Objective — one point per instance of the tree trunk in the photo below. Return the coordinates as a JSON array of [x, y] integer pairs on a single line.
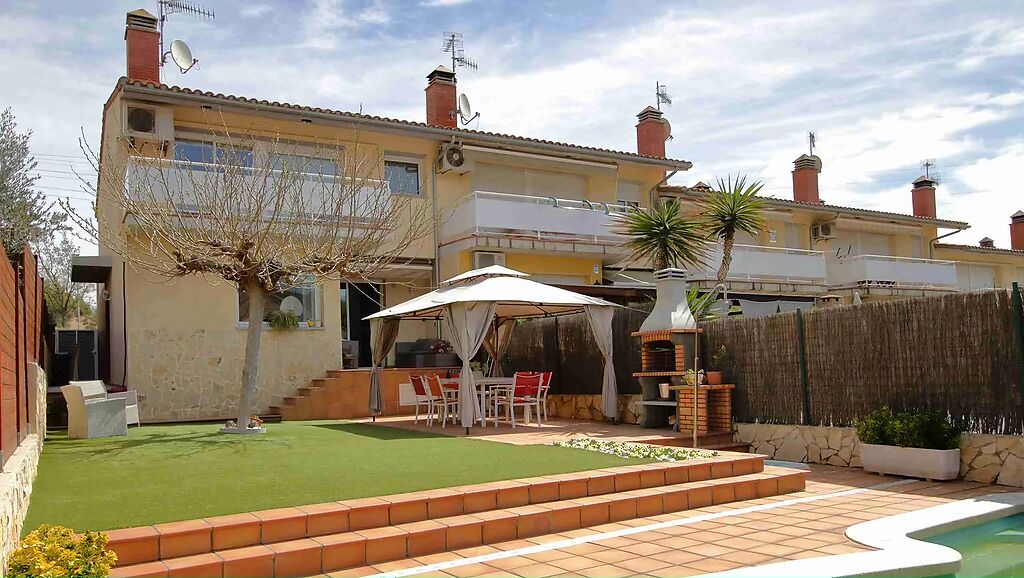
[[723, 270], [250, 371]]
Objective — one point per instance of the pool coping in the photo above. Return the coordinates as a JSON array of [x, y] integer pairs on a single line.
[[900, 550]]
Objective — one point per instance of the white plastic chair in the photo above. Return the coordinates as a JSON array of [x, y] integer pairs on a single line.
[[524, 392]]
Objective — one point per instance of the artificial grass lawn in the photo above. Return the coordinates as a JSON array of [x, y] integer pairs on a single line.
[[165, 473]]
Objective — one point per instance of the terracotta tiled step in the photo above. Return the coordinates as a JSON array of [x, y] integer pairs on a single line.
[[175, 539], [310, 556]]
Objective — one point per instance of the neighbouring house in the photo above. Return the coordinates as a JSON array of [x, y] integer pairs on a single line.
[[538, 206], [813, 253]]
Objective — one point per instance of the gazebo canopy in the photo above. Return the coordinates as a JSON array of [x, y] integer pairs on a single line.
[[474, 305], [515, 296]]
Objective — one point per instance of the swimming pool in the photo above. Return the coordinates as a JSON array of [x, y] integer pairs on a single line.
[[994, 548]]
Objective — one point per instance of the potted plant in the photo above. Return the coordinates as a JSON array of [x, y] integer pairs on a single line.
[[280, 320], [714, 376], [915, 444]]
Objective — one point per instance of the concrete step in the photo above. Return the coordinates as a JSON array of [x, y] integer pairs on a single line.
[[176, 539], [353, 548]]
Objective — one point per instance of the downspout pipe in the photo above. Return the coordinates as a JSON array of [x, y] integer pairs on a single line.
[[931, 244], [650, 193], [436, 271]]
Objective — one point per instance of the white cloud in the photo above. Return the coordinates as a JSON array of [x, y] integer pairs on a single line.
[[256, 10], [992, 40], [440, 3], [992, 192]]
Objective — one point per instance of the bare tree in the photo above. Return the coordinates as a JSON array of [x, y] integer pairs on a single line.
[[260, 213], [26, 215], [65, 300]]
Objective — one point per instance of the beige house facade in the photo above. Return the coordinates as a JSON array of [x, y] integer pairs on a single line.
[[542, 207]]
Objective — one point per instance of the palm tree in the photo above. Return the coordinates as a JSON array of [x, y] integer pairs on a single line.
[[733, 207], [665, 235]]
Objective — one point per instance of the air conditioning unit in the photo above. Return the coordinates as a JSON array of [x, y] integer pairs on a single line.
[[148, 125], [483, 259], [453, 158], [822, 231]]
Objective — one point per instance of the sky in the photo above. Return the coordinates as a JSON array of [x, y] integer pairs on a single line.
[[883, 84]]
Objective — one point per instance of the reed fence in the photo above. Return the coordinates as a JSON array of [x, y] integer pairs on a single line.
[[959, 353]]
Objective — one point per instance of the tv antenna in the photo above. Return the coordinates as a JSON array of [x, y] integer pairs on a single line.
[[452, 44], [661, 95], [179, 51], [812, 142], [929, 170]]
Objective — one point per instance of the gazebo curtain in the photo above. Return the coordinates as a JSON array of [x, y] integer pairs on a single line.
[[600, 318], [385, 333], [468, 323], [497, 342]]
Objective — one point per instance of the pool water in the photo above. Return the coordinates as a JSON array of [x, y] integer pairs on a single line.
[[994, 548]]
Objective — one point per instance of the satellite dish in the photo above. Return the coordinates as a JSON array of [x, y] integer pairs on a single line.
[[465, 110], [292, 304], [182, 56], [668, 130]]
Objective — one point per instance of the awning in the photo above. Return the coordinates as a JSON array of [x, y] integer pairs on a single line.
[[91, 269]]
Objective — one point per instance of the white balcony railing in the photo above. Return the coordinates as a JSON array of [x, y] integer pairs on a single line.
[[545, 218], [894, 272], [756, 264], [194, 188]]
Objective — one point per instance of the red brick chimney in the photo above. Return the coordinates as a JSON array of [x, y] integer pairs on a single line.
[[651, 133], [441, 105], [1017, 231], [805, 179], [924, 197], [142, 46]]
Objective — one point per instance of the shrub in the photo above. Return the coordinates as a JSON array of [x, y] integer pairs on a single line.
[[932, 430], [282, 320], [57, 551]]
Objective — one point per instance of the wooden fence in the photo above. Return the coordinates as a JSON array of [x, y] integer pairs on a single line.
[[22, 314], [958, 353]]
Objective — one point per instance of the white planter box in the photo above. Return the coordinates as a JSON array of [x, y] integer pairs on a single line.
[[911, 462]]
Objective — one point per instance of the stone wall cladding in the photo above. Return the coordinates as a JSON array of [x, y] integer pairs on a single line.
[[196, 374], [836, 446], [589, 407], [989, 459], [20, 471]]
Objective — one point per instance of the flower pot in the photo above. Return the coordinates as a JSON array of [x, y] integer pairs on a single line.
[[911, 462], [663, 391], [714, 377]]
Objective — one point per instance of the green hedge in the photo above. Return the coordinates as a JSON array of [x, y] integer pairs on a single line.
[[930, 429]]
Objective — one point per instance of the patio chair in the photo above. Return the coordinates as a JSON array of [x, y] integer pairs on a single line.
[[131, 397], [524, 393], [91, 414], [446, 401], [545, 385], [422, 397]]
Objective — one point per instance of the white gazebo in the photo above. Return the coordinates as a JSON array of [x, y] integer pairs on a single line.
[[479, 309]]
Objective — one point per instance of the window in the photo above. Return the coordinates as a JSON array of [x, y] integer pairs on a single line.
[[303, 298], [313, 166], [403, 177], [207, 153], [344, 310]]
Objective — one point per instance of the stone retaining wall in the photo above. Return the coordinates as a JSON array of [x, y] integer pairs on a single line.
[[20, 471], [589, 407], [990, 459]]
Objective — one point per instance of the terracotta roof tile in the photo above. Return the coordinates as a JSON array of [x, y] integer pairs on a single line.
[[397, 122], [979, 248]]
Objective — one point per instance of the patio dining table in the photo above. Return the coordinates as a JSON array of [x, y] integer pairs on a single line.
[[484, 385]]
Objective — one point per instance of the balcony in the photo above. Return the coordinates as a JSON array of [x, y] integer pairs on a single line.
[[893, 273], [192, 188], [543, 223], [759, 266]]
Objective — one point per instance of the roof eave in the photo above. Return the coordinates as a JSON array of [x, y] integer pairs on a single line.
[[168, 96], [783, 203]]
